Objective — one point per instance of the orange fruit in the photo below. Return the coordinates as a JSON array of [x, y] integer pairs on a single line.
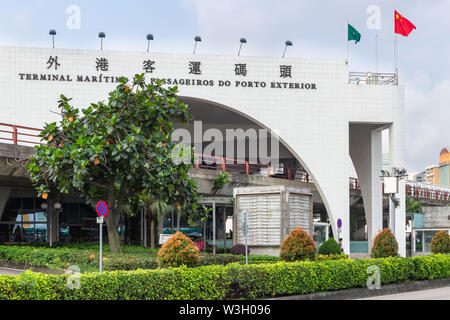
[[71, 119], [45, 195], [50, 137], [127, 88], [97, 161]]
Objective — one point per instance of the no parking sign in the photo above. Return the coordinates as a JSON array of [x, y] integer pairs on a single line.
[[102, 208]]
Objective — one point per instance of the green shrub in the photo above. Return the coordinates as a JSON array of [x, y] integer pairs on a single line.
[[434, 266], [441, 243], [384, 245], [178, 250], [221, 282], [330, 246], [323, 257], [216, 259], [298, 245]]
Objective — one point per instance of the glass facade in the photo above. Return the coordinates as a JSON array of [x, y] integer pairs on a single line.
[[423, 240], [23, 220]]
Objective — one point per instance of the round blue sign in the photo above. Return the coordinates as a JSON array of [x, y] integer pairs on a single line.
[[339, 223], [102, 208]]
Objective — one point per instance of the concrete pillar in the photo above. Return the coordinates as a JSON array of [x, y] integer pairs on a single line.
[[365, 151], [4, 196]]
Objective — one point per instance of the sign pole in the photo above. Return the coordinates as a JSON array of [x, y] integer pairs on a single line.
[[101, 245], [102, 211]]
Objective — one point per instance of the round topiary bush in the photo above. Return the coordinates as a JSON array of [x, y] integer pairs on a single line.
[[440, 243], [330, 246], [178, 250], [298, 245], [239, 249], [384, 245]]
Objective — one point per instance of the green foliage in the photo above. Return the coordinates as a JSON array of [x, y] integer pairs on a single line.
[[323, 257], [435, 266], [178, 250], [330, 246], [116, 149], [298, 245], [384, 245], [412, 206], [441, 242], [220, 181], [221, 282], [215, 259]]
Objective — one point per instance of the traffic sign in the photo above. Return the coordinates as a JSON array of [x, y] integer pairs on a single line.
[[99, 219], [339, 223], [102, 209]]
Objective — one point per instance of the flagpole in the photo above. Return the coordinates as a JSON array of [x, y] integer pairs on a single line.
[[376, 53], [346, 41], [396, 57], [395, 51]]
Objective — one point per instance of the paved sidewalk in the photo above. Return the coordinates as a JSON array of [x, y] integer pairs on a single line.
[[15, 272], [432, 294]]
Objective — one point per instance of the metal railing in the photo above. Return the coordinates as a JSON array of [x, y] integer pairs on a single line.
[[19, 134], [22, 135], [209, 162], [369, 78]]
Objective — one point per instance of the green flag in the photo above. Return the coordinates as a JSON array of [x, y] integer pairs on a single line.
[[353, 34]]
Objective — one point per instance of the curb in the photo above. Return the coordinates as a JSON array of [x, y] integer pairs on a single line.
[[359, 293]]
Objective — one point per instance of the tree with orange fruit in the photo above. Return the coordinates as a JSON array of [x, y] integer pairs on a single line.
[[114, 150]]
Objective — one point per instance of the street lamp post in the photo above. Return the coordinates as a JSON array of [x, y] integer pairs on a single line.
[[391, 180]]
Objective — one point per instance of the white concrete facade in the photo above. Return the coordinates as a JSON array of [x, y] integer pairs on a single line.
[[313, 124]]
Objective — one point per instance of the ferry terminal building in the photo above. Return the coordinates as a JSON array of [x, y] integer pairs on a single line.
[[320, 115]]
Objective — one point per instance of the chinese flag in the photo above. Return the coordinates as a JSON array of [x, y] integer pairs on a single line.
[[402, 25]]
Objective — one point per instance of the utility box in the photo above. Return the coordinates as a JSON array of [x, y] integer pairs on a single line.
[[273, 212]]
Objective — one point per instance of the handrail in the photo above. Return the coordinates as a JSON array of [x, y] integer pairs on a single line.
[[372, 78], [413, 189], [17, 134]]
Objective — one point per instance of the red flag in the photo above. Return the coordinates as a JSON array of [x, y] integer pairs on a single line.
[[402, 25]]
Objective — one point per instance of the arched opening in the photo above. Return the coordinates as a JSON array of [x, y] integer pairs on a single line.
[[213, 123]]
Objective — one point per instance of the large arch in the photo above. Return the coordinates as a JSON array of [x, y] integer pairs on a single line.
[[196, 104]]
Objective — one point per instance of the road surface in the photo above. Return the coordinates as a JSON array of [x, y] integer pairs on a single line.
[[431, 294], [15, 272]]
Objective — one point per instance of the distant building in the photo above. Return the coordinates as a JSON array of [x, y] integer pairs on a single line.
[[420, 177], [444, 167], [432, 174]]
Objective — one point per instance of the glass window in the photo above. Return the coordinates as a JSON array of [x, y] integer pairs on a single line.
[[419, 241], [428, 236]]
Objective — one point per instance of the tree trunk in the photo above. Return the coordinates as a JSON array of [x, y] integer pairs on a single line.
[[112, 222], [152, 232], [113, 236]]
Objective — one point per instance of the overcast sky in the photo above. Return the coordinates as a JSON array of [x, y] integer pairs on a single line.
[[316, 29]]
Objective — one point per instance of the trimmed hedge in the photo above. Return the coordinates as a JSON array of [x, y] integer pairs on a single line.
[[330, 246], [220, 282]]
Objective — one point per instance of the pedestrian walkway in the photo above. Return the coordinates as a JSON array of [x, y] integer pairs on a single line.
[[432, 294], [15, 272]]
